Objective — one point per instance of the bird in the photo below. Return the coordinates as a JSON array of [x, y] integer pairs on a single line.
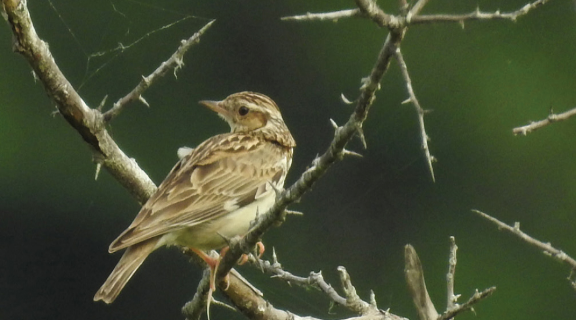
[[214, 192]]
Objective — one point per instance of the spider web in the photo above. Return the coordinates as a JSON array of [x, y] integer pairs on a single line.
[[98, 60]]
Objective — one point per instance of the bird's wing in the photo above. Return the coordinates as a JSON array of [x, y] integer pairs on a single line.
[[222, 174]]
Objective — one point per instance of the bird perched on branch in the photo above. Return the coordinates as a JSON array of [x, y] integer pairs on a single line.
[[214, 192]]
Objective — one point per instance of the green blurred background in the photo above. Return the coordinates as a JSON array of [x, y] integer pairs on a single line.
[[481, 81]]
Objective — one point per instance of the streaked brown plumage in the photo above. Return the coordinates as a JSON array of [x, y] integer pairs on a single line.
[[215, 190]]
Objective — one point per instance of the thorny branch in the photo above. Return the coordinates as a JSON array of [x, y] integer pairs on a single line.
[[421, 112], [451, 298], [351, 301], [333, 16], [370, 10], [414, 274], [476, 297], [477, 15], [175, 62], [546, 248], [552, 117]]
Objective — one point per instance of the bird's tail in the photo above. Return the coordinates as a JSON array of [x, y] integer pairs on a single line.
[[128, 264]]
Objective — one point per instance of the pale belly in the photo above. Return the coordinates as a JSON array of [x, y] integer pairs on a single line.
[[210, 235]]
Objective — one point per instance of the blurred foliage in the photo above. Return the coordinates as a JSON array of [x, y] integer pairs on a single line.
[[480, 81]]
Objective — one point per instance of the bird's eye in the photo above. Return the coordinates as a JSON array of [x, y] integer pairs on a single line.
[[243, 110]]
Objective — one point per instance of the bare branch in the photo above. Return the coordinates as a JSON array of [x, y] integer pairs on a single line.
[[353, 301], [414, 275], [315, 280], [476, 15], [542, 123], [412, 98], [477, 297], [174, 62], [547, 248], [370, 9], [87, 122], [334, 16], [450, 276]]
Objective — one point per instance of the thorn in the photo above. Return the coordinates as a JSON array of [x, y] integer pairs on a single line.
[[406, 101], [146, 80], [102, 103], [296, 213], [315, 162], [347, 152], [276, 190], [461, 22], [364, 83], [141, 99], [334, 124], [55, 113], [226, 239], [362, 137], [98, 167], [373, 299], [274, 257], [346, 101], [517, 226]]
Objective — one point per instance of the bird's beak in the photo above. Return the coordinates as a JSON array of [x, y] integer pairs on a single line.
[[215, 106]]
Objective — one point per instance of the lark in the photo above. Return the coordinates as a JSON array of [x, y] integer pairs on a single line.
[[214, 192]]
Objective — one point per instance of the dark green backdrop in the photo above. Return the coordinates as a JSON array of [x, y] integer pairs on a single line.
[[481, 81]]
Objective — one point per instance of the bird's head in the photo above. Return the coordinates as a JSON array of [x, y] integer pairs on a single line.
[[253, 112]]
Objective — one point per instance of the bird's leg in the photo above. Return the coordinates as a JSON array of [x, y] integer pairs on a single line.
[[212, 264]]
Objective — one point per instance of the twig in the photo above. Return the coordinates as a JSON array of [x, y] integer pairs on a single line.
[[334, 16], [414, 275], [353, 301], [175, 62], [450, 276], [542, 123], [314, 280], [477, 297], [475, 15], [370, 9], [421, 112], [547, 248]]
